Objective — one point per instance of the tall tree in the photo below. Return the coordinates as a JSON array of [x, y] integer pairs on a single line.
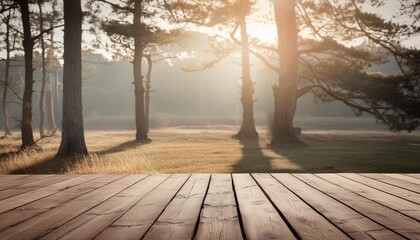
[[7, 39], [28, 45], [141, 128], [328, 66], [232, 13], [72, 138], [135, 40], [43, 69], [285, 91], [54, 18], [248, 123]]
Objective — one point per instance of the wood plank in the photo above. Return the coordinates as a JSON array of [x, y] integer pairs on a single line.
[[133, 225], [403, 206], [20, 181], [92, 222], [387, 217], [11, 177], [394, 181], [259, 218], [27, 197], [34, 182], [219, 217], [353, 223], [414, 175], [44, 223], [180, 216], [27, 211], [405, 178], [305, 221], [396, 191]]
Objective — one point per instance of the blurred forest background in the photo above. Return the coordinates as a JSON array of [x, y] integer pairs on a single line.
[[182, 98]]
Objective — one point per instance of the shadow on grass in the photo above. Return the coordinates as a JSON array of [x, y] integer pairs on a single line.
[[120, 148], [254, 160], [343, 155]]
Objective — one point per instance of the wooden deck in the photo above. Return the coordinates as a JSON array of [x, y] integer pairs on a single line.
[[210, 206]]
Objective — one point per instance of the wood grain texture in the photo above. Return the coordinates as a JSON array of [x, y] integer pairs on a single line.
[[204, 206], [219, 217], [8, 178], [403, 206], [39, 182], [414, 175], [307, 223], [396, 191], [402, 177], [181, 215], [37, 207], [353, 223], [392, 219], [49, 221], [260, 219], [394, 181], [27, 197], [136, 221], [92, 222]]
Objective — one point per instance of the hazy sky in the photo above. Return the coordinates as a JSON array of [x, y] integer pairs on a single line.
[[267, 32]]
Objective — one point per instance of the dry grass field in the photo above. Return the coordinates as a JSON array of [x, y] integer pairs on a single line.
[[178, 150]]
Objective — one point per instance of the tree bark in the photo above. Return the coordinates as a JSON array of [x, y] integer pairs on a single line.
[[49, 97], [50, 106], [285, 92], [6, 79], [148, 89], [43, 71], [247, 129], [72, 137], [141, 130], [26, 124]]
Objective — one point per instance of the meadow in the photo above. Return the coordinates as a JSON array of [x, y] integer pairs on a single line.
[[191, 150]]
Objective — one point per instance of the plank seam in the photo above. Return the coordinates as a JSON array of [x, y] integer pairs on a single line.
[[56, 227], [132, 205], [368, 198], [379, 189], [312, 206], [295, 233], [241, 224], [45, 195], [391, 184], [197, 223], [163, 210], [34, 188], [350, 207]]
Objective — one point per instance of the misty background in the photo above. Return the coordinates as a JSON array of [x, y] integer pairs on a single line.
[[191, 99]]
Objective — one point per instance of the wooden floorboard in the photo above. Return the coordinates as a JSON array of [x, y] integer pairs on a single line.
[[403, 206], [396, 191], [394, 181], [353, 223], [219, 214], [210, 206], [387, 217]]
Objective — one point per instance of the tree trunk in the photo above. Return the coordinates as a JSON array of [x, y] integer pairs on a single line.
[[285, 93], [148, 89], [6, 79], [248, 124], [43, 71], [141, 130], [72, 137], [26, 124], [50, 107], [56, 99]]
